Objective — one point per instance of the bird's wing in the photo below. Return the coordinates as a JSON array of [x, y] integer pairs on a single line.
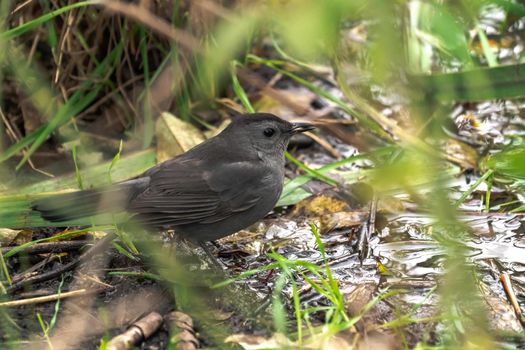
[[183, 193]]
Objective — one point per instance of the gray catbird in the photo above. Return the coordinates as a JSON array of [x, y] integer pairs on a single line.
[[215, 189]]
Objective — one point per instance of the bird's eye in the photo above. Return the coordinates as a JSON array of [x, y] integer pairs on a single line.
[[268, 132]]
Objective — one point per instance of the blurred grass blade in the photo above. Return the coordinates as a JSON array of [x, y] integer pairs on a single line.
[[15, 207], [292, 191], [5, 270], [487, 50], [442, 30], [78, 176], [507, 164], [58, 237], [312, 172], [77, 103], [96, 176], [114, 162], [419, 53], [509, 6], [479, 84], [472, 188], [367, 122], [278, 310]]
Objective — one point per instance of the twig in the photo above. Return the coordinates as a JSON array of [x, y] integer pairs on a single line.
[[50, 247], [507, 285], [363, 246], [36, 293], [96, 249], [48, 298], [21, 6], [32, 270], [323, 143]]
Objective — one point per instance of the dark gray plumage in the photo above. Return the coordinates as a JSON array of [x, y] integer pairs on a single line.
[[215, 189]]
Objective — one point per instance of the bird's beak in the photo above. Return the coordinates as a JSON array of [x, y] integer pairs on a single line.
[[301, 127]]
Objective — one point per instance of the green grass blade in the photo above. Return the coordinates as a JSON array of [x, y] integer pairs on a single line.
[[95, 176], [502, 82], [21, 29], [76, 104], [367, 122], [238, 89], [310, 171], [114, 162], [487, 50], [78, 176], [291, 187], [471, 189], [4, 269]]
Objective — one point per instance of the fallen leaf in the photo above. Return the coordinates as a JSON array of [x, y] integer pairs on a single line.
[[175, 136], [319, 205], [8, 236], [342, 220]]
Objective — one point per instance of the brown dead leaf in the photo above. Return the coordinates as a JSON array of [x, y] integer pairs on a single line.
[[342, 220], [299, 96], [217, 130], [242, 236], [175, 136], [9, 236], [319, 205]]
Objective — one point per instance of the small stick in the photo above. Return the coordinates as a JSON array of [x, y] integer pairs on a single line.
[[32, 270], [94, 250], [323, 143], [369, 226], [47, 298], [36, 293], [50, 247], [507, 285]]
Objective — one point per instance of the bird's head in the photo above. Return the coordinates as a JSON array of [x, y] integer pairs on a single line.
[[266, 133]]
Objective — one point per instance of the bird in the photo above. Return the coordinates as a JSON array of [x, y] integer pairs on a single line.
[[215, 189]]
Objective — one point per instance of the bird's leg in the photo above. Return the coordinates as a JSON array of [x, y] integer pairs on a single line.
[[210, 255]]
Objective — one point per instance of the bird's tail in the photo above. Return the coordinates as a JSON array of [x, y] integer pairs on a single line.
[[69, 206], [81, 204]]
